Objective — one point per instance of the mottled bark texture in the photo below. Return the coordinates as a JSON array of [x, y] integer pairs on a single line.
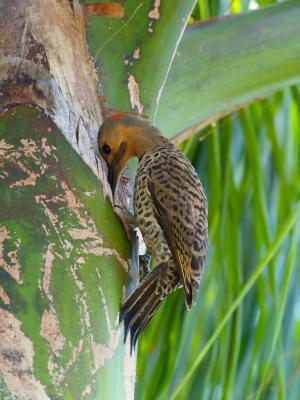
[[45, 62], [63, 253]]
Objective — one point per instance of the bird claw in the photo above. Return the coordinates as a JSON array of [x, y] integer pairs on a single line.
[[144, 264]]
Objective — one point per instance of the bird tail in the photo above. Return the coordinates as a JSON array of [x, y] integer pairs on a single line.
[[142, 304]]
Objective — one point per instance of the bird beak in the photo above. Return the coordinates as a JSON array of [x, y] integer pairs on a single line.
[[112, 177]]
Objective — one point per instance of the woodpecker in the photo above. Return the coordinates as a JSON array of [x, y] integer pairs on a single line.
[[170, 209]]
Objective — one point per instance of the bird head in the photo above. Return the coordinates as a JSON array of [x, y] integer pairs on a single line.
[[122, 137], [114, 147]]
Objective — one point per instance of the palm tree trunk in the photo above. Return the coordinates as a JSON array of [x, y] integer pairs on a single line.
[[63, 253]]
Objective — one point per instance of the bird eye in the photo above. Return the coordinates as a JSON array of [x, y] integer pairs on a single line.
[[106, 149]]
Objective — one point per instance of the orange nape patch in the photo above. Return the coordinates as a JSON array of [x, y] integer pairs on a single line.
[[117, 116]]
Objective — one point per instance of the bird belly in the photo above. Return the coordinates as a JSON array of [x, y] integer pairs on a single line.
[[146, 221]]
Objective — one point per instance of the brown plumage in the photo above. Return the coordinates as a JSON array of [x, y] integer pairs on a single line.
[[170, 210]]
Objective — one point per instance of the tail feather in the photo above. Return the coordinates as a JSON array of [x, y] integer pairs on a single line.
[[134, 309], [133, 302], [142, 304], [141, 323]]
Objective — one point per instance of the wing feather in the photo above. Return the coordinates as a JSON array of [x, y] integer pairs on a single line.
[[181, 209]]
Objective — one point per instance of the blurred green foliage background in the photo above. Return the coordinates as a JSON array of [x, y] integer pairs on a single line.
[[242, 339]]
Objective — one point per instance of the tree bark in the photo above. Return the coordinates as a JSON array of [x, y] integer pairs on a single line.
[[63, 253], [45, 62]]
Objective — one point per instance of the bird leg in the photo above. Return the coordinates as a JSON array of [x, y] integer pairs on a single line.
[[129, 221], [144, 264]]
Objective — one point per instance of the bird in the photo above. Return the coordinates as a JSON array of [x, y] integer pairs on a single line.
[[170, 209]]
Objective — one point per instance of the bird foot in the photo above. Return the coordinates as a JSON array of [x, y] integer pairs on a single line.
[[144, 264]]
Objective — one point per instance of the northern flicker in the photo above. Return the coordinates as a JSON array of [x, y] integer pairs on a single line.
[[170, 210]]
